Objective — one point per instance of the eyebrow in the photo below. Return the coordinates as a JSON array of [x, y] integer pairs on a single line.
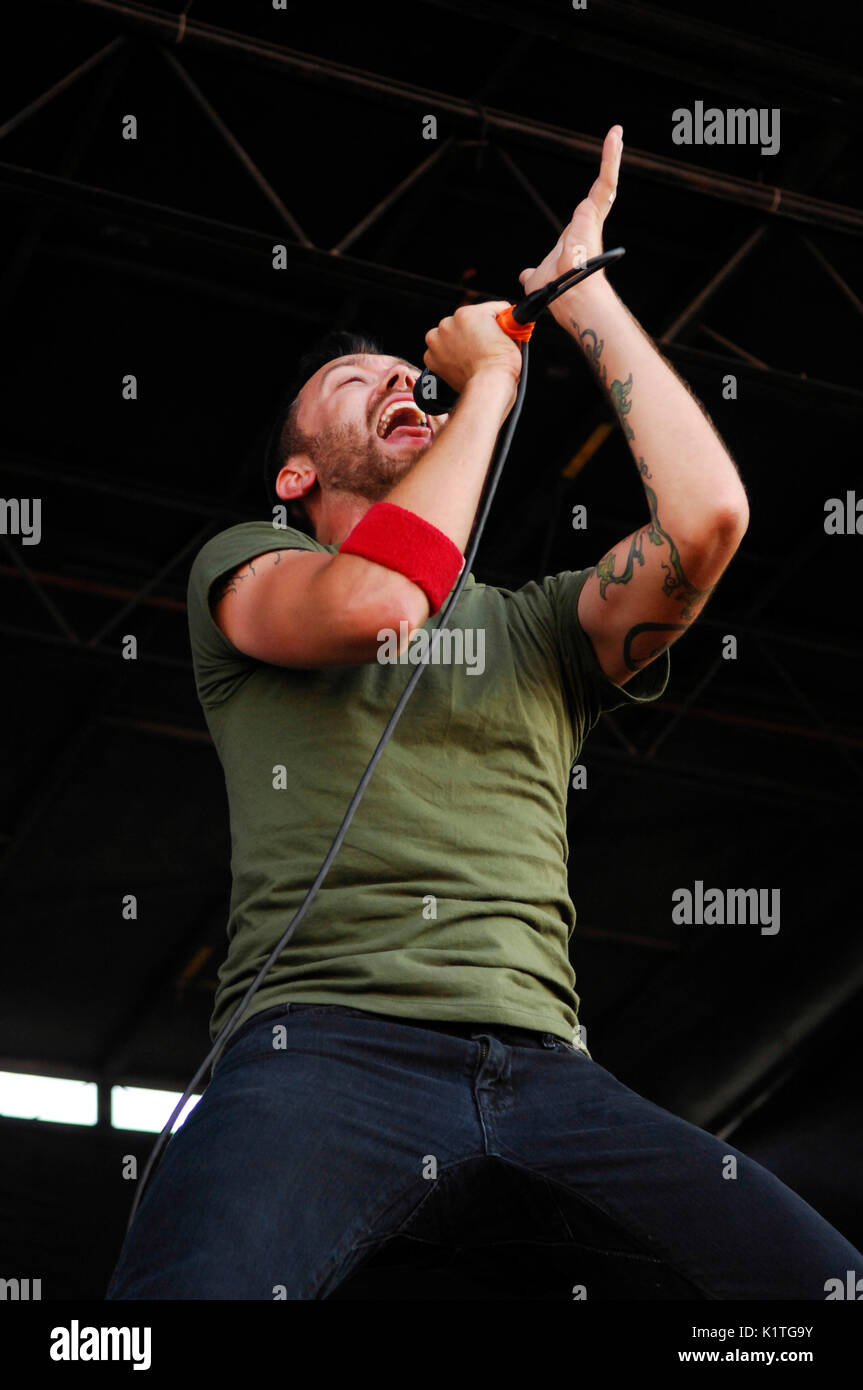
[[355, 362]]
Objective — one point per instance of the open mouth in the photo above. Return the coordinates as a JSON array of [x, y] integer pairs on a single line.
[[402, 417]]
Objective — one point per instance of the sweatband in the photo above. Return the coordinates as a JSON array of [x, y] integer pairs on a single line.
[[405, 542]]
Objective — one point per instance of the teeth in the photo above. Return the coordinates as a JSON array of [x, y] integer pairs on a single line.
[[401, 405]]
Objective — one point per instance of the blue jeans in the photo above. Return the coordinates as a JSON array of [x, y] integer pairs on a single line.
[[302, 1161]]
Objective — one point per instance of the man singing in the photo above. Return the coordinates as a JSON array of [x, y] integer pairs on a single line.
[[416, 1045]]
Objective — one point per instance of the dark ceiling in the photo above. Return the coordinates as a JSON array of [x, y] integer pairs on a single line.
[[154, 257]]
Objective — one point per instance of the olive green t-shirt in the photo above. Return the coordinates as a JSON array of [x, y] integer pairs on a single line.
[[448, 899]]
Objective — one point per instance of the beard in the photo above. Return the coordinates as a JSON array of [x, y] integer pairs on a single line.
[[347, 459]]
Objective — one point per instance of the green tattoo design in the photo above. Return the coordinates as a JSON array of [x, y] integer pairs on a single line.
[[675, 584], [618, 390]]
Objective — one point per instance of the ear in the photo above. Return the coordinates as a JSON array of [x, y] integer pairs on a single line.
[[296, 478]]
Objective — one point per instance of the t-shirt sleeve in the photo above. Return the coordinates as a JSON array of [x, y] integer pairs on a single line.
[[219, 666], [553, 605]]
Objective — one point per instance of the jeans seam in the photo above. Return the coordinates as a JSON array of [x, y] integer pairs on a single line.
[[608, 1216], [350, 1243]]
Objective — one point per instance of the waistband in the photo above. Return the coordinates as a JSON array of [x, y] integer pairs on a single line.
[[504, 1032]]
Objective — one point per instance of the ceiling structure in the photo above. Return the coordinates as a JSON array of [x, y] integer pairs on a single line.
[[153, 257]]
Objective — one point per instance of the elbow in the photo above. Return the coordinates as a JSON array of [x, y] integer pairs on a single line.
[[722, 529], [372, 599], [405, 610], [730, 522], [400, 610], [708, 545]]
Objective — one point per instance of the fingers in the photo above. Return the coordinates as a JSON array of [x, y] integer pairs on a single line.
[[604, 190], [486, 308]]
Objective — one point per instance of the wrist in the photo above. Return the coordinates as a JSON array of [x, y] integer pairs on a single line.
[[496, 383], [585, 301]]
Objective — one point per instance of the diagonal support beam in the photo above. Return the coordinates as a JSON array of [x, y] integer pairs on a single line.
[[19, 262], [733, 347], [380, 208], [236, 148], [47, 602], [555, 222], [799, 558], [837, 279], [821, 725], [714, 284], [194, 543], [63, 85]]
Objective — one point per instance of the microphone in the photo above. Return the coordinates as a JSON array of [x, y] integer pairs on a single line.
[[432, 394]]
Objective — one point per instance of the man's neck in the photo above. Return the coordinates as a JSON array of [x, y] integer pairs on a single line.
[[338, 517]]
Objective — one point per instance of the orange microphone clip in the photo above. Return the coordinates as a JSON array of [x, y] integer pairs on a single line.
[[520, 332]]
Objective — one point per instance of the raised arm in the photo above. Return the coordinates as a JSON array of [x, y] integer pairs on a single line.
[[644, 593]]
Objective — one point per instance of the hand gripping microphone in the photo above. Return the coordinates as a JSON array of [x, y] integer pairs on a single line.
[[432, 394]]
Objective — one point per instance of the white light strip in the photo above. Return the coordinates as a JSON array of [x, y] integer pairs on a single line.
[[135, 1107], [27, 1097]]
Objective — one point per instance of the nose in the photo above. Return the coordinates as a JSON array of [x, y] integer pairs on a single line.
[[401, 377]]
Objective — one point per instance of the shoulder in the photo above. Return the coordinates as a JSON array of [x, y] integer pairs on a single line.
[[238, 544]]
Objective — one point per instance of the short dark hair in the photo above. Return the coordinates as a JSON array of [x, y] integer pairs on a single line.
[[285, 435]]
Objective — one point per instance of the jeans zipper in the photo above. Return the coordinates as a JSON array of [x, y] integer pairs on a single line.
[[483, 1053]]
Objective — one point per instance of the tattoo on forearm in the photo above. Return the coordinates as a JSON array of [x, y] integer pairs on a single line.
[[675, 584], [618, 390]]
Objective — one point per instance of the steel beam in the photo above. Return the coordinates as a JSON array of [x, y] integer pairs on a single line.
[[738, 351], [391, 198], [639, 36], [714, 284], [35, 185], [47, 602], [111, 487], [48, 579], [780, 577], [65, 82], [782, 203], [235, 147], [193, 544], [853, 299]]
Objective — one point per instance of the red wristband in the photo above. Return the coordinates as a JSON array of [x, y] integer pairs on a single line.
[[405, 542]]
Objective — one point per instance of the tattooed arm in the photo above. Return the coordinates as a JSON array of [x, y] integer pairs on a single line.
[[647, 590]]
